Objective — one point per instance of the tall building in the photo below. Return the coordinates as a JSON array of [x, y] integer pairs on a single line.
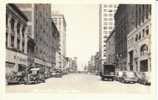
[[27, 9], [59, 20], [139, 40], [42, 31], [16, 41], [55, 44], [124, 23], [110, 48], [97, 62], [133, 27], [106, 25]]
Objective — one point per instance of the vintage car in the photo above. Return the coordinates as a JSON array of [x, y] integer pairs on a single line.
[[15, 78], [144, 78], [129, 77], [35, 76]]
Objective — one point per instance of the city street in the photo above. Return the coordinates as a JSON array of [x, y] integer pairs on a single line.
[[79, 83]]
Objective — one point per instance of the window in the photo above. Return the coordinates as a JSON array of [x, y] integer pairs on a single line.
[[6, 39], [12, 41], [18, 44], [105, 27], [105, 14], [12, 25], [143, 33], [105, 5], [105, 19], [23, 46], [143, 50], [136, 38], [139, 36], [147, 30], [110, 27]]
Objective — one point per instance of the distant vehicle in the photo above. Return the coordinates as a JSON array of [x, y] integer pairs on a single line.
[[57, 73], [129, 77], [144, 78], [108, 72], [118, 75]]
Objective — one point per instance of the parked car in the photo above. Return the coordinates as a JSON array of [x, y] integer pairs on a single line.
[[129, 77], [144, 78], [15, 78], [118, 75], [35, 76]]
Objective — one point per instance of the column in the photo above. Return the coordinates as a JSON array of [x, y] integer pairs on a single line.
[[15, 36], [9, 31], [25, 40], [21, 28]]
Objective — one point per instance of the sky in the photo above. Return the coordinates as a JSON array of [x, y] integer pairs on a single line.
[[82, 30]]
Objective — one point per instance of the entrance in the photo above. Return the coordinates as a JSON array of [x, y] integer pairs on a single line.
[[144, 65]]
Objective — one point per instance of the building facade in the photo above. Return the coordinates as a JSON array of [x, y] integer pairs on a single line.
[[110, 48], [28, 10], [97, 63], [60, 23], [55, 44], [43, 34], [139, 41], [91, 65], [16, 40], [124, 23], [106, 25]]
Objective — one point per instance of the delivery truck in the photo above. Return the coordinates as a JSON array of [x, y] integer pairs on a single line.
[[108, 72]]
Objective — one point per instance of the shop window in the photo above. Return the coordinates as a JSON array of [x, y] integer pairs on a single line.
[[144, 66]]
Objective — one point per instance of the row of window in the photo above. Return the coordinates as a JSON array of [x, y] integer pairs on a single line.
[[12, 37], [108, 19], [108, 14], [109, 23], [110, 6], [109, 27], [145, 32]]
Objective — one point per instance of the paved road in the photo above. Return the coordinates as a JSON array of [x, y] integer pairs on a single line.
[[79, 83]]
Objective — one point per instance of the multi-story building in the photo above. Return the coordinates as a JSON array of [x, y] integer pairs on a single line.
[[139, 40], [43, 32], [124, 23], [110, 48], [59, 20], [27, 9], [91, 65], [106, 25], [97, 62], [54, 44], [16, 40]]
